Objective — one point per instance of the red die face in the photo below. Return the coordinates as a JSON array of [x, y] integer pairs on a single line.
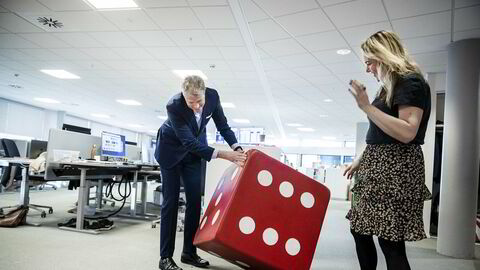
[[264, 216]]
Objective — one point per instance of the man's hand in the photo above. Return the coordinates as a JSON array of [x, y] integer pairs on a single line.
[[237, 157]]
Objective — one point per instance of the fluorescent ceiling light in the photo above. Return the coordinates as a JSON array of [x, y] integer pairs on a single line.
[[306, 129], [100, 115], [328, 100], [108, 4], [294, 125], [135, 125], [241, 120], [322, 115], [228, 105], [343, 51], [163, 117], [329, 138], [129, 102], [182, 73], [47, 100], [60, 73], [293, 134]]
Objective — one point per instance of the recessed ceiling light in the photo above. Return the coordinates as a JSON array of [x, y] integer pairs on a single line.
[[294, 125], [135, 125], [163, 117], [343, 51], [47, 100], [328, 100], [100, 115], [241, 120], [60, 73], [228, 105], [182, 73], [129, 102], [15, 86], [107, 4], [329, 138], [306, 129], [322, 115]]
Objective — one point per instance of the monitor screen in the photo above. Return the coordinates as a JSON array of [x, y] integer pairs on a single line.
[[36, 148], [113, 145]]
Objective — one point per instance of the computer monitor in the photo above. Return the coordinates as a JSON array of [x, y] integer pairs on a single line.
[[36, 148], [113, 145], [77, 129]]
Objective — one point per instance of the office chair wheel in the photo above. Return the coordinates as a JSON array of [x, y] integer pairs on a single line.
[[50, 210], [43, 214], [154, 226]]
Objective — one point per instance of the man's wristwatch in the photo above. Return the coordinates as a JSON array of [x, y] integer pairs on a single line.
[[238, 147]]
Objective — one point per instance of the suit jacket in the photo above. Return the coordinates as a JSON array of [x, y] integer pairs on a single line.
[[180, 134]]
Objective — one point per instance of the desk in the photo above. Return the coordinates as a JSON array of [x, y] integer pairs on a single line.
[[24, 163], [145, 170], [101, 170]]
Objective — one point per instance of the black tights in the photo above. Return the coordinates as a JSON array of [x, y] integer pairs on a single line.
[[393, 251]]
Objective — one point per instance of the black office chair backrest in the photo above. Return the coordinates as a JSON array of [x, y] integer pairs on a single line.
[[10, 148]]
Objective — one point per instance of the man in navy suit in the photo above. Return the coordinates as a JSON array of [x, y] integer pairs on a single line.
[[181, 146]]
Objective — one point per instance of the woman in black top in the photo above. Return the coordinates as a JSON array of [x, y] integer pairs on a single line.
[[390, 174]]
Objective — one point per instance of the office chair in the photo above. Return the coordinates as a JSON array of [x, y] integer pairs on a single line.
[[14, 172]]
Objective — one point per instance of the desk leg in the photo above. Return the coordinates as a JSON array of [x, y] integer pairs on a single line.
[[143, 196], [24, 189], [81, 199], [133, 196], [99, 194]]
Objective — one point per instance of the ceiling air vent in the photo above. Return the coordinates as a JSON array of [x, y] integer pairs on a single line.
[[50, 22]]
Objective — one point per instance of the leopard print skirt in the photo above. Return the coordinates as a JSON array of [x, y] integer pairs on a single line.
[[389, 193]]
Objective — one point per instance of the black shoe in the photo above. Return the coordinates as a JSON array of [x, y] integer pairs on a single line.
[[194, 259], [168, 264]]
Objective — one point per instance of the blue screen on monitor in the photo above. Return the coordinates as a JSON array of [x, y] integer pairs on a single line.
[[113, 145]]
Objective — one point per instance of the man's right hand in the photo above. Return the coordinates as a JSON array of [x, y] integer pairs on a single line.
[[236, 157]]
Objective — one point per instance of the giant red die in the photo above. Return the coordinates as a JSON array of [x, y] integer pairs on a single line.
[[265, 215]]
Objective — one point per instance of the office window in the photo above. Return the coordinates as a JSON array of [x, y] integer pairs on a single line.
[[348, 159], [330, 160]]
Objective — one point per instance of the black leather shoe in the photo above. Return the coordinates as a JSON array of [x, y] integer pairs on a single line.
[[168, 264], [195, 260]]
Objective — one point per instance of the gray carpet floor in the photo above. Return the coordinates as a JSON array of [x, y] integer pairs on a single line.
[[134, 244]]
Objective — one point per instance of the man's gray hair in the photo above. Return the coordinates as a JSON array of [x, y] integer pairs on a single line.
[[194, 86]]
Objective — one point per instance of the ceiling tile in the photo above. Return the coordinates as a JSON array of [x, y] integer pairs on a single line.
[[215, 17], [120, 65], [235, 53], [179, 64], [282, 47], [252, 11], [15, 24], [194, 3], [324, 3], [424, 25], [431, 59], [57, 5], [24, 6], [41, 54], [241, 65], [203, 53], [71, 54], [282, 7], [267, 30], [226, 37], [271, 64], [314, 71], [307, 22], [331, 56], [321, 80], [133, 53], [350, 67], [168, 18], [113, 39], [466, 34], [101, 53], [161, 3], [190, 37], [206, 64], [14, 54], [150, 38], [357, 35], [15, 42], [79, 40], [467, 18], [298, 60], [465, 3], [401, 9], [45, 40], [323, 41], [356, 13], [427, 44], [166, 53], [130, 19]]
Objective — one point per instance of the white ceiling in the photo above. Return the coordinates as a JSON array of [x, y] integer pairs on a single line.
[[293, 68]]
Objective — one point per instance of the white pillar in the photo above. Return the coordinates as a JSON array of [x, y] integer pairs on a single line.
[[361, 135], [460, 160]]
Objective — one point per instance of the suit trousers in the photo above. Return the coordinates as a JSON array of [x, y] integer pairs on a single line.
[[189, 169]]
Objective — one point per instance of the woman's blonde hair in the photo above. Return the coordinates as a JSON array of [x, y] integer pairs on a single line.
[[392, 59], [194, 86]]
